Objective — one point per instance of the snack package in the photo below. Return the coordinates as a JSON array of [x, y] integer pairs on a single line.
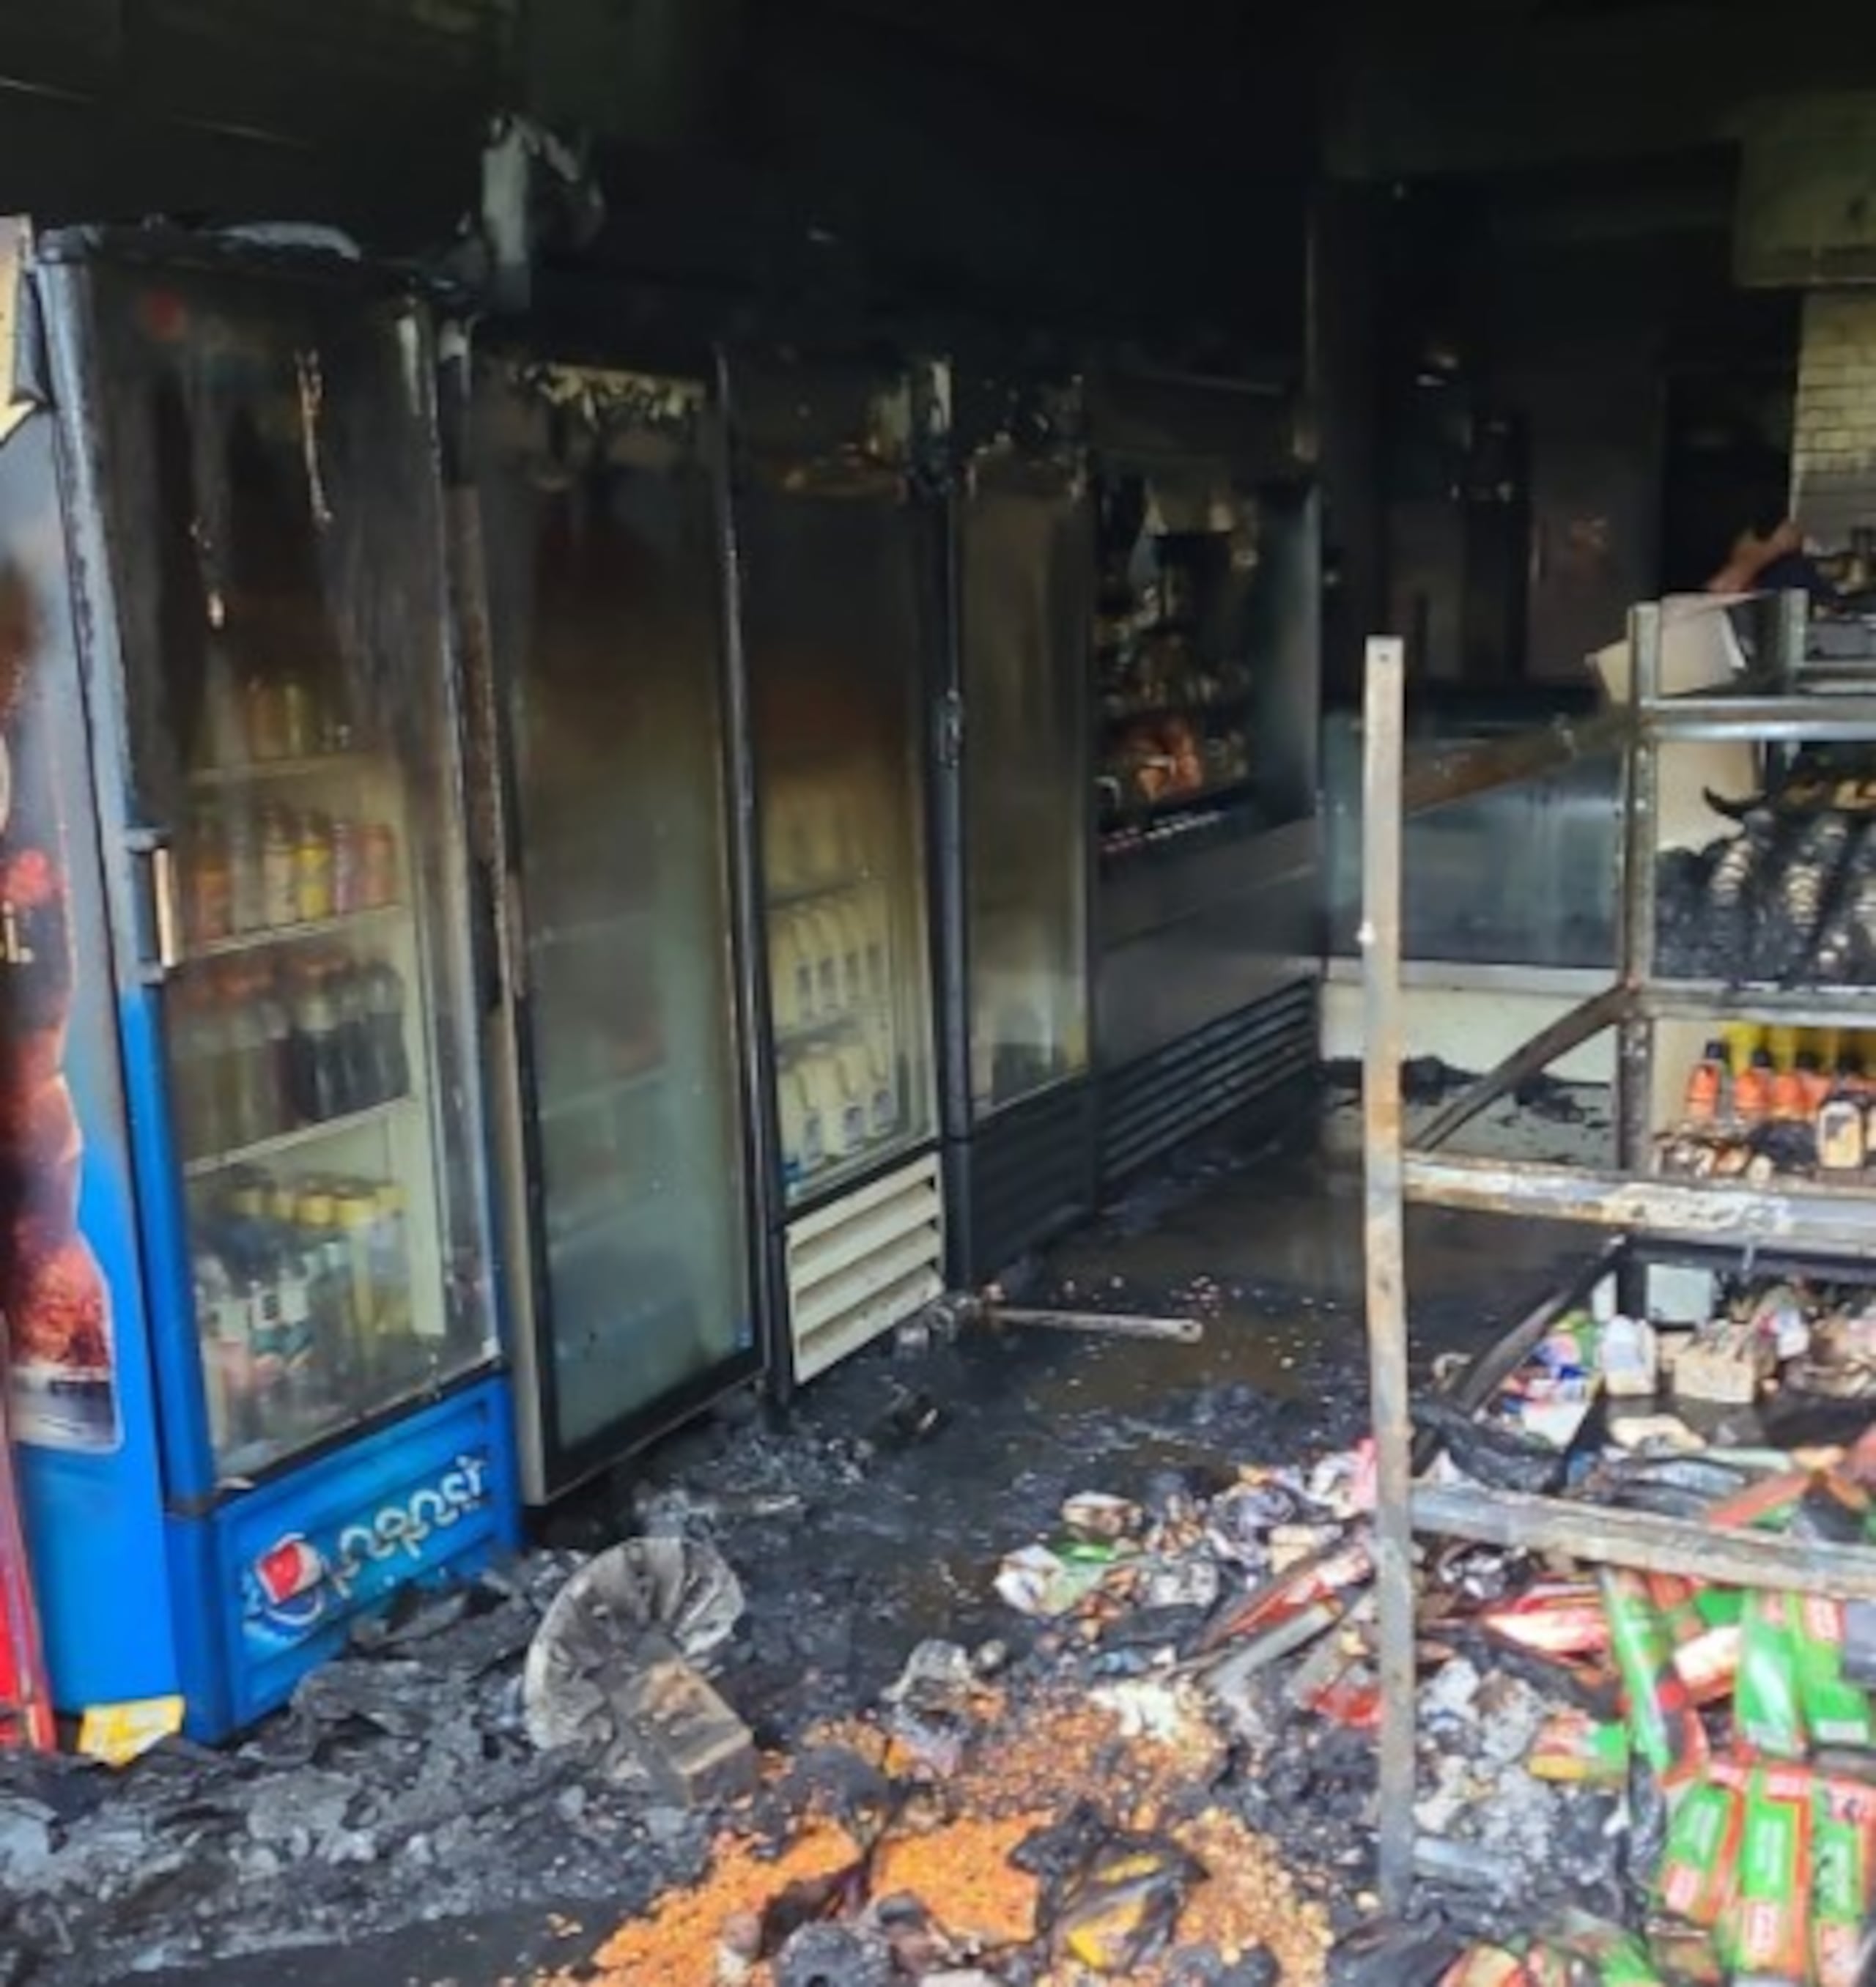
[[1766, 1701], [1843, 1866], [1619, 1958], [1557, 1617], [1487, 1966], [1666, 1730], [1707, 1654], [1764, 1931], [1685, 1956], [1700, 1863], [1836, 1712], [1574, 1746]]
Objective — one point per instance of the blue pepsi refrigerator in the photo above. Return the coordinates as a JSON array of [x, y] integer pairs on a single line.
[[249, 1291]]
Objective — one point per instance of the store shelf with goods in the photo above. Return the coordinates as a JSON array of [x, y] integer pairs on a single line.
[[342, 925], [797, 894], [1202, 710], [310, 766], [825, 1028], [1825, 1220], [298, 1137]]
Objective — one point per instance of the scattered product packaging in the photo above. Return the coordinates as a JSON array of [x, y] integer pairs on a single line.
[[1766, 1703], [1487, 1966], [1574, 1746], [1629, 1358], [1843, 1864], [1726, 1363], [1666, 1729], [1700, 1864], [1764, 1932], [1836, 1713], [1556, 1618], [1619, 1958]]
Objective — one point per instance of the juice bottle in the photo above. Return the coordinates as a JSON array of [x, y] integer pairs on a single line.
[[1782, 1040], [1706, 1097], [1752, 1089], [279, 893], [1787, 1101], [1815, 1084], [312, 868], [856, 1083], [211, 881], [821, 1073]]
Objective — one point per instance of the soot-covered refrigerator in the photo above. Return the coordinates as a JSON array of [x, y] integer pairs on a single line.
[[837, 552], [249, 1297], [618, 1051], [1019, 1102]]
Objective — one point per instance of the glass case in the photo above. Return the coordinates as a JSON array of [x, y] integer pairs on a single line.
[[269, 461], [1174, 684], [1025, 550], [837, 606], [599, 522]]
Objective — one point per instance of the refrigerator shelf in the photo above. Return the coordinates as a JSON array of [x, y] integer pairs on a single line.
[[810, 893], [830, 1026], [258, 770], [594, 1097], [293, 934], [301, 1135], [576, 1227], [586, 931]]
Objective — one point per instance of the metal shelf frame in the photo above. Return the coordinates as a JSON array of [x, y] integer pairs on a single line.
[[1653, 1218]]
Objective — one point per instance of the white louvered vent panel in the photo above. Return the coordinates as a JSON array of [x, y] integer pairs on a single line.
[[856, 1268]]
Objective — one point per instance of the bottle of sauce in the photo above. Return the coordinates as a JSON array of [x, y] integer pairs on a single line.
[[298, 737], [356, 1214], [279, 890], [1706, 1099], [265, 713]]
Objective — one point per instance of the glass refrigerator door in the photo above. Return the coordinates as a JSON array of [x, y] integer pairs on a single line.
[[1026, 559], [265, 453], [835, 614], [600, 543]]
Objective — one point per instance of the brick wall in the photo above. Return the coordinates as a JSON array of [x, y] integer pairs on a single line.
[[1834, 437]]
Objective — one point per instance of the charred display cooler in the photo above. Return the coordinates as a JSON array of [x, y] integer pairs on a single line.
[[836, 557], [1205, 689], [1020, 1103], [247, 1283], [617, 1051]]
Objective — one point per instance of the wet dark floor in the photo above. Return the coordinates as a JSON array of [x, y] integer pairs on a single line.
[[874, 1513]]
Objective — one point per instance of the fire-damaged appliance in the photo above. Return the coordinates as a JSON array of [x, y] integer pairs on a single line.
[[1205, 669], [618, 1050], [835, 551], [1020, 1097], [248, 1275]]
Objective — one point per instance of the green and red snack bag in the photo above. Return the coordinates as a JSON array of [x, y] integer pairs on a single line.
[[1766, 1706], [1666, 1729], [1700, 1863], [1844, 1867], [1764, 1932], [1836, 1713], [1487, 1966]]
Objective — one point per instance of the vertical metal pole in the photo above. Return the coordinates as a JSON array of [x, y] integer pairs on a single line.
[[1641, 834], [1384, 1246]]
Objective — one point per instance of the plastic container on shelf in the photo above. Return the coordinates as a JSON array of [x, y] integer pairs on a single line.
[[804, 1146], [843, 1118], [824, 948]]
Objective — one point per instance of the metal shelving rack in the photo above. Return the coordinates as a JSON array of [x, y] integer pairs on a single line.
[[1653, 1220]]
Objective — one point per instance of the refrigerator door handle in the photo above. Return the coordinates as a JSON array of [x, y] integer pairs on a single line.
[[151, 848]]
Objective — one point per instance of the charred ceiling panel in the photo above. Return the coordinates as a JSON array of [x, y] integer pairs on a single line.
[[282, 65], [1807, 194], [652, 72]]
